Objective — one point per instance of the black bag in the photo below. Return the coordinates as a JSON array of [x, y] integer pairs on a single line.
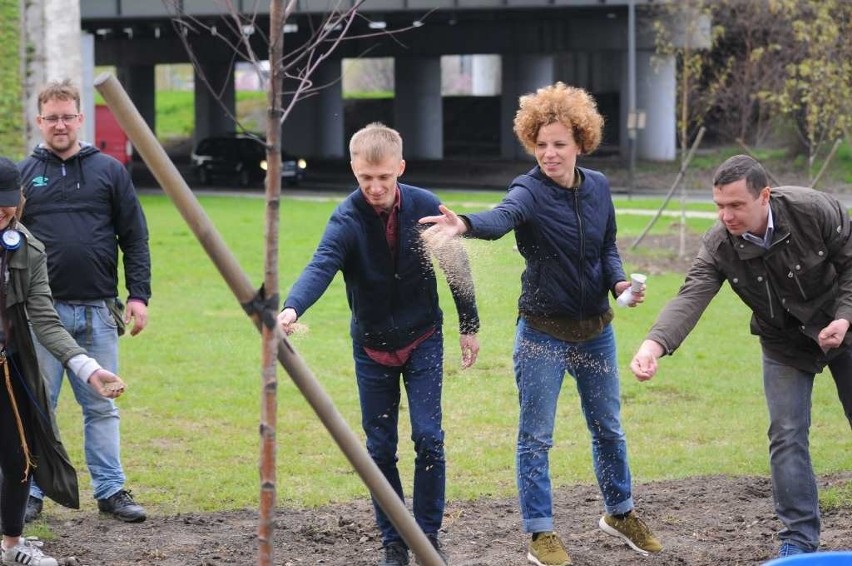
[[116, 309]]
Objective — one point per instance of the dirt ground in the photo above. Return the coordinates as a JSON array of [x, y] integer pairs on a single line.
[[702, 521]]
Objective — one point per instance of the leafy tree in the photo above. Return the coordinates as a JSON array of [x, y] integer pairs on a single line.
[[770, 62], [748, 59], [818, 75]]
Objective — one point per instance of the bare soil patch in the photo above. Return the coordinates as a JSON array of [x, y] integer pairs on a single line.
[[702, 521]]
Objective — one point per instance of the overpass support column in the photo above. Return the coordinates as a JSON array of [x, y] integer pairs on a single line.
[[418, 106], [139, 82], [314, 127], [212, 108], [330, 119], [302, 128], [522, 74], [656, 94]]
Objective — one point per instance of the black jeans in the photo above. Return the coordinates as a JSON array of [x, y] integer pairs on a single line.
[[14, 486]]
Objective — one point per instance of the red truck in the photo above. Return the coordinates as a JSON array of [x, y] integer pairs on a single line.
[[109, 137]]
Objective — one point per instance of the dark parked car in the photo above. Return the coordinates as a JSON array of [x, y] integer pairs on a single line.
[[241, 158]]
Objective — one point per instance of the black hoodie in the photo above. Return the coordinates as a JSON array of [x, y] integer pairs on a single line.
[[83, 209]]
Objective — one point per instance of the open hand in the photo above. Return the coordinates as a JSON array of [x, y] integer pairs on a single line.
[[107, 383], [469, 349]]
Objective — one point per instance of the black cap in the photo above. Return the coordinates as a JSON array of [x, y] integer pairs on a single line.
[[10, 183]]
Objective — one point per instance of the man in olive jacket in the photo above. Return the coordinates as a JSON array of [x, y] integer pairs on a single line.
[[787, 253]]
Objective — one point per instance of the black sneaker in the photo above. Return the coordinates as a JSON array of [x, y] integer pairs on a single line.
[[121, 506], [437, 545], [396, 554], [34, 506]]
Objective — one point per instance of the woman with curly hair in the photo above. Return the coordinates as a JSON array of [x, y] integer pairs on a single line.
[[564, 224]]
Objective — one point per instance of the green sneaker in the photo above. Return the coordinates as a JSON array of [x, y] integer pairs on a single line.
[[632, 530], [547, 550]]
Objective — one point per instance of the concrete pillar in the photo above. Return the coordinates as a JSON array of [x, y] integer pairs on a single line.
[[522, 74], [314, 128], [485, 71], [87, 50], [330, 109], [63, 57], [418, 106], [213, 110], [301, 128], [53, 52], [656, 97], [140, 83], [624, 106]]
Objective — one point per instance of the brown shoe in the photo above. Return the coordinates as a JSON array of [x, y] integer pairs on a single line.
[[546, 549], [632, 530]]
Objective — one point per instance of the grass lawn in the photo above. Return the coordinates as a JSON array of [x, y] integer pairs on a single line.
[[190, 417]]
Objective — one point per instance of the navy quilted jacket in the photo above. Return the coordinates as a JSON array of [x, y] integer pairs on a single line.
[[393, 302], [566, 236]]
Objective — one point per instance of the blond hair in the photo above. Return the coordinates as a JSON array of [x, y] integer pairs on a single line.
[[375, 142], [571, 106], [59, 90]]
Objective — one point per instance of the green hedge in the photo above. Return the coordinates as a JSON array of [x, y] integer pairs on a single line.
[[11, 93]]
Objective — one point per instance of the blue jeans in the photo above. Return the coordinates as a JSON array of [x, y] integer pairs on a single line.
[[379, 391], [92, 326], [541, 362]]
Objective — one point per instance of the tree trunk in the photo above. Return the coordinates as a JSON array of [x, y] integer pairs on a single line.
[[269, 396]]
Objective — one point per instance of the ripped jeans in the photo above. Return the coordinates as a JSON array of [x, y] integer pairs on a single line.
[[541, 362]]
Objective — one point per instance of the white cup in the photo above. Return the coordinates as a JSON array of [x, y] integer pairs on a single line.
[[626, 297], [636, 281]]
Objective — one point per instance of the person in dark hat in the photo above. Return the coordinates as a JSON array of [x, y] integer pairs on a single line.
[[29, 442]]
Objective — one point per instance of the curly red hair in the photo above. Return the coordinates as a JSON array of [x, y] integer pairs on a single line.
[[573, 107]]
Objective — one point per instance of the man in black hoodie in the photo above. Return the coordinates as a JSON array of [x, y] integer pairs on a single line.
[[82, 205]]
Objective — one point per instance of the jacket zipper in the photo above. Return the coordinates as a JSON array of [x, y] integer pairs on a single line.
[[582, 235], [769, 298], [799, 285]]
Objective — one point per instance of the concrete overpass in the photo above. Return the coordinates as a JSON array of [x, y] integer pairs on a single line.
[[580, 42]]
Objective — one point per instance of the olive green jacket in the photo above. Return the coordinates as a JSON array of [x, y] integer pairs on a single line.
[[794, 289], [29, 303]]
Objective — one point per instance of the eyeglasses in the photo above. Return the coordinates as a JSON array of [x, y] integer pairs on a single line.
[[66, 119]]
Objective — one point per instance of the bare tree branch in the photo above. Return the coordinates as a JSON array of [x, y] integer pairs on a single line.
[[296, 66]]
